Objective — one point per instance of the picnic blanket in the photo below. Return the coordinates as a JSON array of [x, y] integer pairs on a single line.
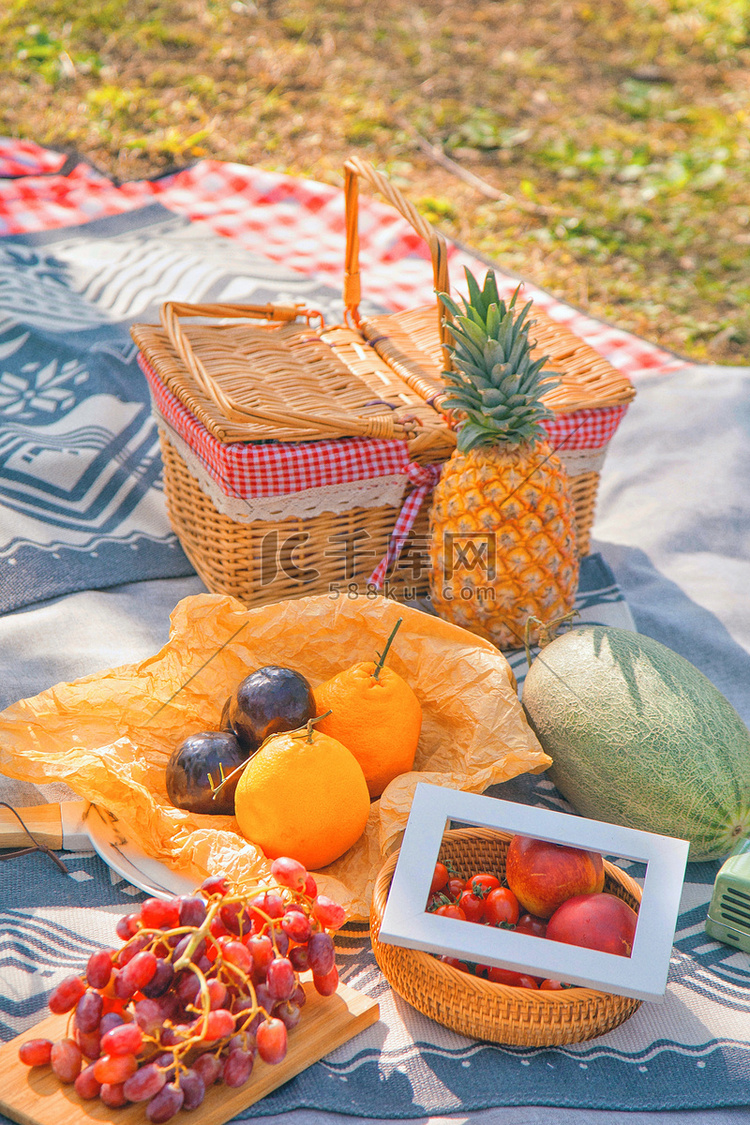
[[82, 259], [670, 536]]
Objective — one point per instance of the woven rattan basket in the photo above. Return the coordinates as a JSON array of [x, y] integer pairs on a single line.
[[270, 373], [479, 1008], [284, 381], [241, 559]]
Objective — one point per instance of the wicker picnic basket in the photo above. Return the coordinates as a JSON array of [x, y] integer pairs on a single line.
[[242, 381], [479, 1008]]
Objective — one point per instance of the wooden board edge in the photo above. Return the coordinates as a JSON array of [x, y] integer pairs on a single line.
[[44, 821], [34, 1096]]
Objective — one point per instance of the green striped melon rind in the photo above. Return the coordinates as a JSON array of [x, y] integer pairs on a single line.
[[639, 737]]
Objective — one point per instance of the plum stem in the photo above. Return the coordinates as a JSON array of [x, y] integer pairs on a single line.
[[382, 655], [299, 732], [225, 780], [311, 723]]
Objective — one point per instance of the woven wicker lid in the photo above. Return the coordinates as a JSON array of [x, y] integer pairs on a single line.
[[410, 344], [283, 381]]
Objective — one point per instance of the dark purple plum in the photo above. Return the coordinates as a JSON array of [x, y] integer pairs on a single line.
[[224, 723], [268, 701], [188, 770]]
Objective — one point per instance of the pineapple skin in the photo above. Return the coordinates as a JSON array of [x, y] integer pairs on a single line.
[[513, 503]]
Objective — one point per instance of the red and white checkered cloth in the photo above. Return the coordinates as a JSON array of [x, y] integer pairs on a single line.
[[302, 224], [424, 478], [244, 470], [297, 222], [25, 158]]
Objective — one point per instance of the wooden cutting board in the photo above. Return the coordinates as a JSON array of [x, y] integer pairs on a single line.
[[35, 1096]]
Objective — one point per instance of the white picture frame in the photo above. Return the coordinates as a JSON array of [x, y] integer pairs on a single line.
[[407, 923]]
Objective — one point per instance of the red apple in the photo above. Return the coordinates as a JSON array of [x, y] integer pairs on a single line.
[[543, 875], [596, 921]]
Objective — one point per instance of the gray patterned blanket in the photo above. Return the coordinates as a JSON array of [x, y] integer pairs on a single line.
[[80, 472]]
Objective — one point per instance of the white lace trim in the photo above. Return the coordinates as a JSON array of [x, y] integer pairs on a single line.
[[376, 492], [578, 461]]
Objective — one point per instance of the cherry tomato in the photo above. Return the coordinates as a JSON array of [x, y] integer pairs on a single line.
[[454, 888], [501, 905], [440, 878], [550, 985], [455, 962], [531, 925], [482, 884], [472, 906], [451, 910], [506, 976]]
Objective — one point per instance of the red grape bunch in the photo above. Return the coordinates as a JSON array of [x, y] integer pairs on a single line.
[[202, 985]]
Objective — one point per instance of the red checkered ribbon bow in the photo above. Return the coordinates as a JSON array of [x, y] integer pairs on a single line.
[[424, 477]]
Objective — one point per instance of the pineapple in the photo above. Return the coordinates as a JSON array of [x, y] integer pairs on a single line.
[[502, 525]]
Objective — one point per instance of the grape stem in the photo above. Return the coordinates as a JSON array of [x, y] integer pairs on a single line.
[[200, 934], [169, 1042], [205, 998], [382, 655]]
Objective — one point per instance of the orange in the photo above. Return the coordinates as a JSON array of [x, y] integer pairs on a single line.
[[302, 795], [377, 718]]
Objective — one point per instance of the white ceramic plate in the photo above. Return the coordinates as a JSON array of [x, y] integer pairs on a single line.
[[127, 859]]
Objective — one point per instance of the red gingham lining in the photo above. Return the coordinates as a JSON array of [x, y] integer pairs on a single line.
[[246, 469], [423, 477], [585, 429], [275, 469]]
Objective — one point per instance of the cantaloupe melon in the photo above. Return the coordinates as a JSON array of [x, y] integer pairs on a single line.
[[638, 736]]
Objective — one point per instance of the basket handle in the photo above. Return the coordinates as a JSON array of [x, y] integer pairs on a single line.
[[354, 168], [378, 426], [171, 311]]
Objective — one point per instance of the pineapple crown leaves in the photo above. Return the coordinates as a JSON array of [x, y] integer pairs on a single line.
[[497, 386]]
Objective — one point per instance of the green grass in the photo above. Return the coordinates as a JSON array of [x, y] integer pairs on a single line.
[[619, 130]]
